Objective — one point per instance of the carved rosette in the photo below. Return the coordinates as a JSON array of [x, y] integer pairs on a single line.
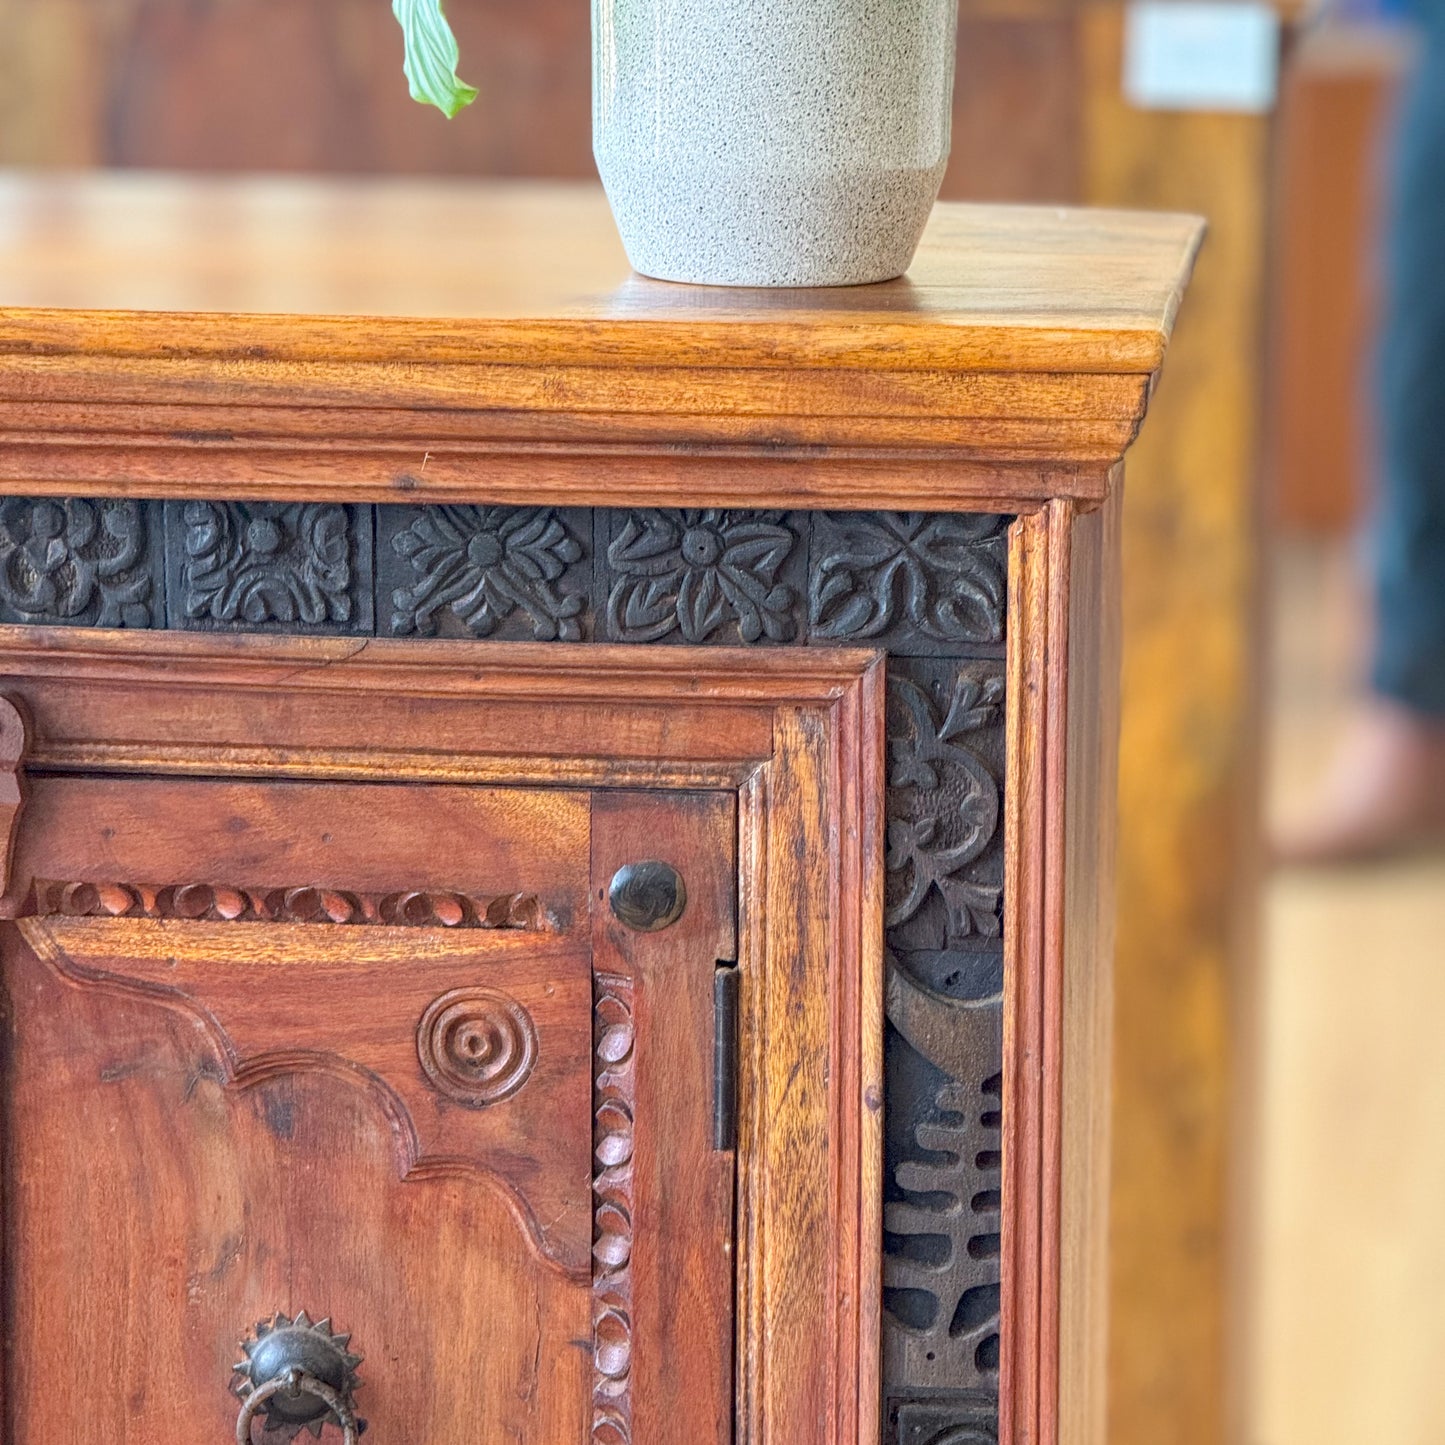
[[483, 565], [477, 1045], [254, 564], [612, 1198], [702, 576], [212, 903], [76, 561]]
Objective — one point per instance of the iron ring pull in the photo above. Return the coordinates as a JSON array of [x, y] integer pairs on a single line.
[[294, 1382]]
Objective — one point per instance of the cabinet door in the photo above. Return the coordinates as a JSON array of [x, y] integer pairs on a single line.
[[385, 1090]]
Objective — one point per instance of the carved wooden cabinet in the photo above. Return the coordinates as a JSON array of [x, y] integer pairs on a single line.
[[559, 826]]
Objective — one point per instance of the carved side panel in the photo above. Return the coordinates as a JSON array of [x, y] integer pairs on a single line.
[[612, 1198], [930, 588]]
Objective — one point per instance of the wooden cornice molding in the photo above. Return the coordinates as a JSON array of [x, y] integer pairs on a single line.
[[1023, 337]]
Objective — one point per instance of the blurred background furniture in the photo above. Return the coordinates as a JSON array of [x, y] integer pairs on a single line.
[[1339, 96]]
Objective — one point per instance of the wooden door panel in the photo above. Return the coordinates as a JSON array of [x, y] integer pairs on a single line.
[[277, 1049], [247, 872], [155, 1213], [399, 1013]]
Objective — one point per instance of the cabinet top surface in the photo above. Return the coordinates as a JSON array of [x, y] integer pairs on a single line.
[[430, 270]]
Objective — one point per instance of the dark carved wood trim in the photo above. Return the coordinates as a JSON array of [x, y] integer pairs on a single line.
[[212, 903]]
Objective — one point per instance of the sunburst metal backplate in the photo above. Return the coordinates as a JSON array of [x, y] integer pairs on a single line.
[[280, 1346]]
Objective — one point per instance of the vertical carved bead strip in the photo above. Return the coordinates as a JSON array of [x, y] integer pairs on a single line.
[[613, 1042]]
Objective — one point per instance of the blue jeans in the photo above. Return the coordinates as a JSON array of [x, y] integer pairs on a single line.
[[1410, 526]]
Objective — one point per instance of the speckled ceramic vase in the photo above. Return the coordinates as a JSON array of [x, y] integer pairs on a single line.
[[772, 142]]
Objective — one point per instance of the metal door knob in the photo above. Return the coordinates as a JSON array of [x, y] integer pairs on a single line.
[[306, 1391]]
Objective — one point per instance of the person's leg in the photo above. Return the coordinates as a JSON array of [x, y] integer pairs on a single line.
[[1387, 787]]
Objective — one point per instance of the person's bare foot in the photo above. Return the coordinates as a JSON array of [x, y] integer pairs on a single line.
[[1383, 793]]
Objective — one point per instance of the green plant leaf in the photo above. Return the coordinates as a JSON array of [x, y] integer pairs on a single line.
[[431, 56]]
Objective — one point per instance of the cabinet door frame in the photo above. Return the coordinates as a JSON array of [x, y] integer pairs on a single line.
[[797, 735]]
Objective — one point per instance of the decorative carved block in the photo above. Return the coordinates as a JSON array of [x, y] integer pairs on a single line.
[[209, 903], [612, 1197], [945, 759], [913, 582], [959, 1420], [73, 561], [294, 566], [477, 1045], [943, 1201], [704, 576], [503, 572]]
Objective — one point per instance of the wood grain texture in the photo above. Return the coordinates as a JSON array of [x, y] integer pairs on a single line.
[[1085, 1066], [1020, 337], [195, 1209]]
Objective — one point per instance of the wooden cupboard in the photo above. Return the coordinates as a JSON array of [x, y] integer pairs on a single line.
[[561, 825]]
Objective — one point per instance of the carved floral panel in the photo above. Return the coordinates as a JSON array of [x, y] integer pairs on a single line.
[[504, 572], [704, 576], [913, 582]]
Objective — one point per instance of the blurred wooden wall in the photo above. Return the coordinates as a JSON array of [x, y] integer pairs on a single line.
[[315, 84], [299, 85]]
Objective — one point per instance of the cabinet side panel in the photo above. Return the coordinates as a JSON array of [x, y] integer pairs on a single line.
[[1090, 790]]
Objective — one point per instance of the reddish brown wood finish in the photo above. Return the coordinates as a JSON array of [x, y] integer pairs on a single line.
[[262, 1074], [1008, 373]]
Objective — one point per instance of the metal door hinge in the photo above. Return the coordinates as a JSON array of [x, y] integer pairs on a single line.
[[725, 1057]]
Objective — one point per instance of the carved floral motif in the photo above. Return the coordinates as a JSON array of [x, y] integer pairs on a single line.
[[75, 561], [253, 563], [943, 807], [942, 574], [612, 1199], [696, 573], [210, 903], [484, 564]]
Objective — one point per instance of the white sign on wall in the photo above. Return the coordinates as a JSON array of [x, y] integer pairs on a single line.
[[1201, 55]]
